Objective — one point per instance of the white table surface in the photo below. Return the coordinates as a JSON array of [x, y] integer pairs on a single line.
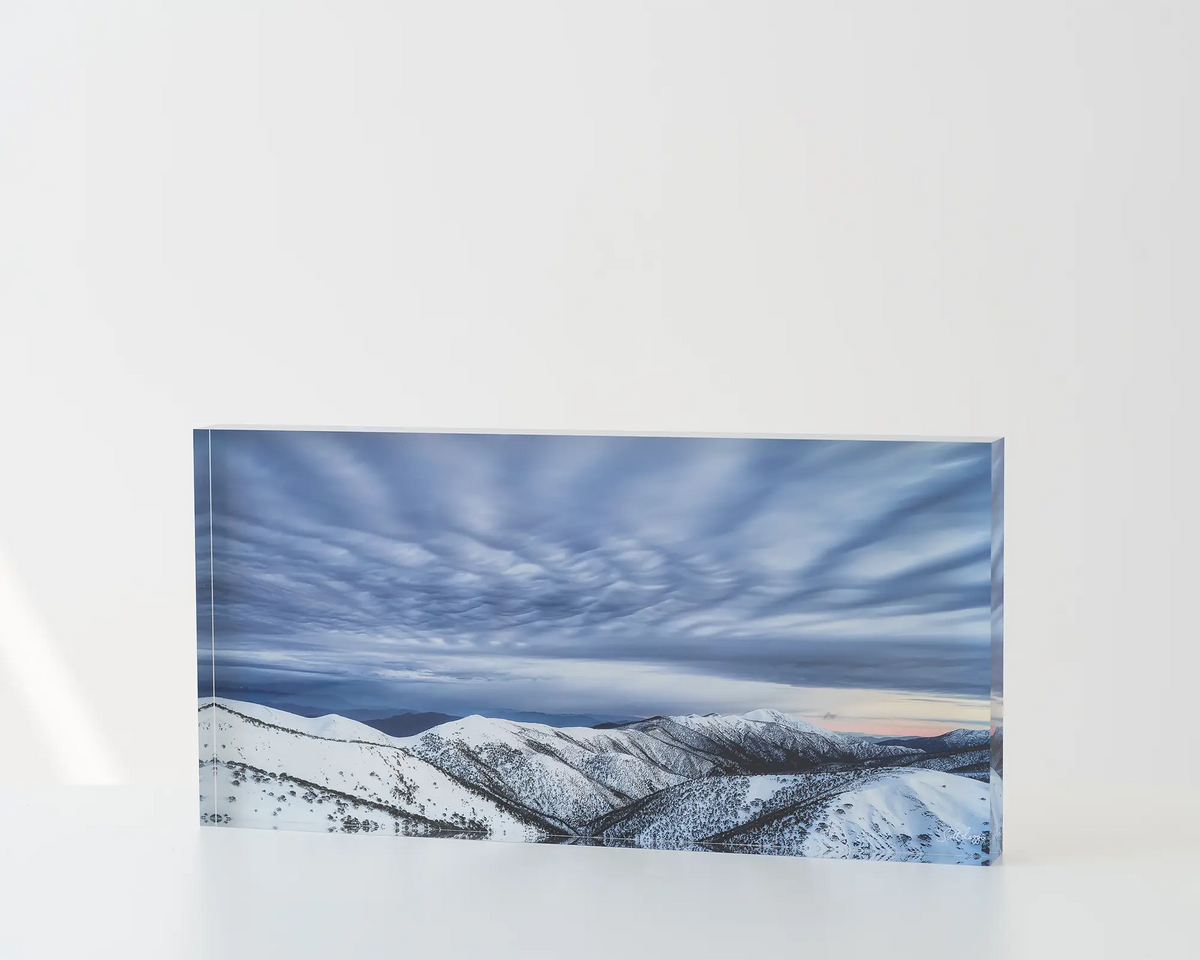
[[125, 872]]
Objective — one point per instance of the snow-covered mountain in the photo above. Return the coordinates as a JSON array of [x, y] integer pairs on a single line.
[[573, 775], [330, 773], [568, 775], [762, 741], [761, 781], [874, 815]]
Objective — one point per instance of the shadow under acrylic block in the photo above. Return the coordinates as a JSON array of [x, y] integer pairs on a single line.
[[759, 645]]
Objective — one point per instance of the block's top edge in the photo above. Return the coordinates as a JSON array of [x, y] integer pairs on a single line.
[[526, 431]]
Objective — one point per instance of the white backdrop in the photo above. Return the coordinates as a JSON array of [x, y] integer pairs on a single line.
[[831, 219]]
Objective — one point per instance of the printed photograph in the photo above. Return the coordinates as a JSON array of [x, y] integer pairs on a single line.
[[764, 646]]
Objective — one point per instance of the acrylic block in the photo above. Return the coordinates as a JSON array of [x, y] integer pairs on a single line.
[[744, 644]]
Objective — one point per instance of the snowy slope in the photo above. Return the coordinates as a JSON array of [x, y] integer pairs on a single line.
[[570, 775], [273, 768], [330, 727], [764, 741], [971, 763], [879, 815], [760, 782], [701, 812], [910, 815], [962, 738]]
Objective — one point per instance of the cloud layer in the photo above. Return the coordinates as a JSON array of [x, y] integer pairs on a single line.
[[487, 571]]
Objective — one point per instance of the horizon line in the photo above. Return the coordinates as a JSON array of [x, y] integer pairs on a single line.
[[821, 722]]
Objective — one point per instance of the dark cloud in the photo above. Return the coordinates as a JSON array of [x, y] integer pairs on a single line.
[[354, 564]]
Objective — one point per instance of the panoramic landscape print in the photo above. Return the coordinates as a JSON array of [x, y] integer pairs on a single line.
[[770, 646]]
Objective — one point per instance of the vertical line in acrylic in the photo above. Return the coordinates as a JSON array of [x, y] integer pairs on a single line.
[[212, 623]]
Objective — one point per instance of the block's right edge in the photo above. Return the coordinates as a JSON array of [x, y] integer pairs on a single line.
[[996, 765]]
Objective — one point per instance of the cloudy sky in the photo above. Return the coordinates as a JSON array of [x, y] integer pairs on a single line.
[[845, 581]]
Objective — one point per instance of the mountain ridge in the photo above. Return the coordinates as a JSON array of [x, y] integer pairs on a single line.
[[733, 781]]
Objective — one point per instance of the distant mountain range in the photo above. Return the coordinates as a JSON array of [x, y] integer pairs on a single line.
[[408, 724], [761, 782], [960, 739]]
